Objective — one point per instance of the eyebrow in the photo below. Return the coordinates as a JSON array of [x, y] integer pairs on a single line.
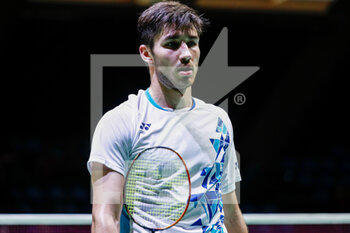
[[176, 36]]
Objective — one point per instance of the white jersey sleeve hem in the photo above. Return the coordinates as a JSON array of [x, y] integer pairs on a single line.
[[229, 188], [105, 162]]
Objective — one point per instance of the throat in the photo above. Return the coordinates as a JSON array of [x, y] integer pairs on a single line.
[[172, 98]]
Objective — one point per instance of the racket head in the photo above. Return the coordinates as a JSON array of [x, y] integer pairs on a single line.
[[157, 188]]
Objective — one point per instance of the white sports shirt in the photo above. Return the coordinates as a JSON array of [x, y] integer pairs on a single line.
[[202, 135]]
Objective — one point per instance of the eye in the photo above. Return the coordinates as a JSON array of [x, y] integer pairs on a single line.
[[191, 43], [172, 44]]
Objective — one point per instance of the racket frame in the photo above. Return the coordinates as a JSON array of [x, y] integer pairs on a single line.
[[189, 191]]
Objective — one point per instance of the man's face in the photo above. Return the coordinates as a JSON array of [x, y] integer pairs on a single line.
[[176, 56]]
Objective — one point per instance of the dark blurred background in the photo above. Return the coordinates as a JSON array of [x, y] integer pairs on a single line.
[[292, 132]]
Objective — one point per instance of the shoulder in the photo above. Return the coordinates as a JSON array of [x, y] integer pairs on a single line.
[[216, 113], [212, 109]]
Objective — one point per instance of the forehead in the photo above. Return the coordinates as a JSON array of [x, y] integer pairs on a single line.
[[172, 33]]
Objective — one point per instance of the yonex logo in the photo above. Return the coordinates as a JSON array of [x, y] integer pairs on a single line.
[[145, 126]]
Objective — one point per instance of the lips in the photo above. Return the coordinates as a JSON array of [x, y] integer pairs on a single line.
[[185, 68]]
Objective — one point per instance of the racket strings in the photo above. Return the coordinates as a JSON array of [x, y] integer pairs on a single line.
[[157, 188]]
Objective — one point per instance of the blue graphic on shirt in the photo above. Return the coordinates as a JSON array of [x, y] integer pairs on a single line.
[[211, 200], [145, 126]]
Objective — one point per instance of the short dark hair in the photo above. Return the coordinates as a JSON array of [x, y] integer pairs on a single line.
[[168, 14]]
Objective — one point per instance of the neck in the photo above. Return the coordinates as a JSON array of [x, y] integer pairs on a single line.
[[170, 97]]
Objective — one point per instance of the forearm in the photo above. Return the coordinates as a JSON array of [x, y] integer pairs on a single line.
[[105, 224], [107, 199], [234, 220]]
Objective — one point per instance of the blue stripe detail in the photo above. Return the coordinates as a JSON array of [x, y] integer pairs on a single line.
[[193, 104], [154, 103]]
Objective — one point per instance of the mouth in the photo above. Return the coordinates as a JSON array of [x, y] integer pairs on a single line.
[[185, 70]]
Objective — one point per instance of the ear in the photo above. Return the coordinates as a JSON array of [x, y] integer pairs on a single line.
[[146, 54]]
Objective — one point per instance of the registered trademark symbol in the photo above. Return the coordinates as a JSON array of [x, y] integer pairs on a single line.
[[239, 99]]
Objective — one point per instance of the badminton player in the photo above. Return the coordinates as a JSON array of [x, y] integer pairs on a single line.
[[166, 114]]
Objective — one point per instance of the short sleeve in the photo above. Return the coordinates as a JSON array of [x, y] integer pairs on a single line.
[[231, 173], [111, 141]]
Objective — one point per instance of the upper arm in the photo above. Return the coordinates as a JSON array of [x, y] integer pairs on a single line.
[[231, 207], [113, 138], [110, 149], [230, 202], [107, 186]]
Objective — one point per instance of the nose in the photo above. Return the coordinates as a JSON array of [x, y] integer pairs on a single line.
[[185, 54]]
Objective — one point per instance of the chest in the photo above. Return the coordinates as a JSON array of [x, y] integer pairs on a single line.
[[195, 136]]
